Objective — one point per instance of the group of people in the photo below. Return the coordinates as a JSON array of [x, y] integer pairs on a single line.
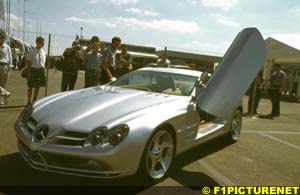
[[34, 72], [276, 90], [100, 67]]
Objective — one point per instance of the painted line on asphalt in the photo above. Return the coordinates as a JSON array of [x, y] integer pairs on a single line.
[[216, 174], [279, 140], [273, 132]]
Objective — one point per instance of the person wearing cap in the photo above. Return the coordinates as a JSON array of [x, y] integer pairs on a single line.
[[36, 63], [73, 58], [5, 62], [276, 88], [109, 61]]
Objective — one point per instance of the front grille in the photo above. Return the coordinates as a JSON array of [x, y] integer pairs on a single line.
[[70, 139], [65, 164], [64, 161], [75, 134]]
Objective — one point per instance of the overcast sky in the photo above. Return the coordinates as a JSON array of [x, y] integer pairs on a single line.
[[203, 26]]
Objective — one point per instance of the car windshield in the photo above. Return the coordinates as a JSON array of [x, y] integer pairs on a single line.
[[158, 82]]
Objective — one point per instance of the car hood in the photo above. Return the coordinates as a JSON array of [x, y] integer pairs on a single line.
[[87, 109]]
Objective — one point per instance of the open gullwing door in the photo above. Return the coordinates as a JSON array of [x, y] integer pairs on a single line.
[[234, 75]]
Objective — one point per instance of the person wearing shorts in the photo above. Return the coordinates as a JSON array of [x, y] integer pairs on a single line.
[[36, 60]]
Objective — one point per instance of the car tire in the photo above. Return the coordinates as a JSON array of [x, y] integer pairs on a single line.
[[235, 127], [157, 157]]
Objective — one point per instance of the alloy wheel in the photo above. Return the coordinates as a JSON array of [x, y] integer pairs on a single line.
[[160, 154]]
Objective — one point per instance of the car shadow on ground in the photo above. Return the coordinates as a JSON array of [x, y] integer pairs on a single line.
[[15, 172]]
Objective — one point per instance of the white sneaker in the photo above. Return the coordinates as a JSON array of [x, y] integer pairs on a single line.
[[3, 102], [7, 95]]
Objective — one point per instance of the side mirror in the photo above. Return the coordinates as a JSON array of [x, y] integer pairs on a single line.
[[192, 107], [199, 88]]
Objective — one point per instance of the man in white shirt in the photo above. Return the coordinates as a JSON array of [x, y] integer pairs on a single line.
[[5, 62], [109, 61], [36, 60]]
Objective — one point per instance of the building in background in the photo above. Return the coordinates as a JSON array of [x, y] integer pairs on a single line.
[[144, 55], [285, 55], [195, 61]]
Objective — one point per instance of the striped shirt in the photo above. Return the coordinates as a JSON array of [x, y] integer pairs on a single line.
[[92, 61]]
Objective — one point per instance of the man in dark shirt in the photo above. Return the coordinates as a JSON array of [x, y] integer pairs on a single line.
[[73, 58], [108, 64], [124, 62], [276, 89]]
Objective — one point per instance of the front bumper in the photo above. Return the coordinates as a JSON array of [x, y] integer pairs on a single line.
[[86, 162], [36, 160]]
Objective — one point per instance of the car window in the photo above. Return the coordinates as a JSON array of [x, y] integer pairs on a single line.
[[135, 78], [184, 83], [158, 82], [143, 78]]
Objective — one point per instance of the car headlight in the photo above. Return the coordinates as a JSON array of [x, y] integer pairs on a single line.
[[118, 134], [96, 137], [103, 136]]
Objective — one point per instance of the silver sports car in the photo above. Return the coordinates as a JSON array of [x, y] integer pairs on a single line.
[[142, 121]]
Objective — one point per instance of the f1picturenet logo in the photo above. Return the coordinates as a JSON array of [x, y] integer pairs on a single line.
[[272, 190]]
